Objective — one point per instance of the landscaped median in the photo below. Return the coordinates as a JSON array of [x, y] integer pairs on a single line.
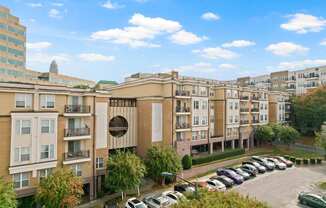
[[304, 161]]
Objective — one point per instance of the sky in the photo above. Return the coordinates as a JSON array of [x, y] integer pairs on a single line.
[[217, 39]]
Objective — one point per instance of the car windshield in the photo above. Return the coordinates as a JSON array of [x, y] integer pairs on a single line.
[[140, 206], [239, 170], [256, 163], [232, 173], [172, 196]]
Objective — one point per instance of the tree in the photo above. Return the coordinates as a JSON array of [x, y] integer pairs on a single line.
[[125, 172], [288, 135], [277, 128], [220, 200], [62, 189], [320, 139], [264, 133], [162, 159], [310, 111], [7, 195], [186, 162]]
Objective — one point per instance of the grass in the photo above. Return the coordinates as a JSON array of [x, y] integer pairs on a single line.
[[306, 140], [295, 153]]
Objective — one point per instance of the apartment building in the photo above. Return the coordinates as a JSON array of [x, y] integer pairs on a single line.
[[294, 82], [279, 107], [44, 127], [192, 115]]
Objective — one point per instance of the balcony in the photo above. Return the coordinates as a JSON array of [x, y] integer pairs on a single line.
[[182, 93], [183, 126], [244, 110], [77, 110], [255, 98], [244, 97], [244, 122], [77, 134], [255, 121], [182, 109], [255, 110], [77, 156]]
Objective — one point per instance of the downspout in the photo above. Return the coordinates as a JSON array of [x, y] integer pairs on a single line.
[[94, 149], [172, 112]]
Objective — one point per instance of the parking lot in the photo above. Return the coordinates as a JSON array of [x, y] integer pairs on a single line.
[[281, 188]]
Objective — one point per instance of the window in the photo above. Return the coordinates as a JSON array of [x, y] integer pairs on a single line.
[[204, 120], [99, 162], [47, 126], [231, 106], [44, 173], [196, 104], [261, 117], [47, 151], [231, 119], [21, 180], [22, 154], [23, 100], [196, 120], [76, 169], [204, 105], [23, 127], [235, 106], [47, 101]]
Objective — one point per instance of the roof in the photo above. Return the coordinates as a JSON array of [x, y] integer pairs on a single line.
[[107, 82]]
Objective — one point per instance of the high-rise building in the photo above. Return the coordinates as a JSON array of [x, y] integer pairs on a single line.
[[12, 42]]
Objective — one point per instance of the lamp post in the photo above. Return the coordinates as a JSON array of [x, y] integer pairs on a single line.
[[167, 174]]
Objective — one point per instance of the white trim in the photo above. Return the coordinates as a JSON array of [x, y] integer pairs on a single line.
[[32, 167], [73, 161], [77, 114], [73, 138]]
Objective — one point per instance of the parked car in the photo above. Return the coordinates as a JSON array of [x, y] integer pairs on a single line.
[[312, 200], [215, 185], [135, 203], [288, 163], [239, 171], [262, 161], [157, 201], [278, 165], [173, 196], [260, 168], [228, 182], [184, 188], [238, 179], [250, 169]]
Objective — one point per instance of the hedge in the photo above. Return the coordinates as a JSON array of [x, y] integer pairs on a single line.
[[298, 161], [319, 160], [312, 161], [305, 161], [186, 162], [214, 157]]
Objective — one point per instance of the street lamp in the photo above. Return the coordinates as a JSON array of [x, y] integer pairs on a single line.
[[168, 174]]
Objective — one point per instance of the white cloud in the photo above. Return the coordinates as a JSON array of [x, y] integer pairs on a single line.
[[239, 44], [227, 66], [155, 24], [144, 30], [35, 5], [38, 45], [304, 23], [197, 67], [286, 48], [57, 4], [45, 58], [54, 13], [111, 5], [323, 42], [210, 16], [94, 57], [185, 38], [216, 53], [295, 65]]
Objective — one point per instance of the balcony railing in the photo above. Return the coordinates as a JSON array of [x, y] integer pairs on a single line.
[[255, 121], [76, 155], [255, 98], [77, 109], [255, 110], [183, 126], [182, 93], [244, 97], [244, 110], [182, 109], [77, 132], [244, 122]]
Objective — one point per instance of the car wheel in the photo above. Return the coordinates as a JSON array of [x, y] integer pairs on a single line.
[[303, 202]]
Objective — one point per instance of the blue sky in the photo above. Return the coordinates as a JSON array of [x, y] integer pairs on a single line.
[[220, 39]]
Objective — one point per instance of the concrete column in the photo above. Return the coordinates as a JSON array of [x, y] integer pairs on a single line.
[[247, 144], [210, 148], [232, 144], [222, 145], [241, 143]]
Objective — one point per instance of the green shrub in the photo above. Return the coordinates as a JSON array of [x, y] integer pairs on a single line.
[[312, 161], [305, 161], [292, 159], [287, 157], [319, 160], [298, 161], [186, 162], [210, 158]]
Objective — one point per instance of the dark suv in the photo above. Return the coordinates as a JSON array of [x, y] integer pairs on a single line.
[[231, 174]]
